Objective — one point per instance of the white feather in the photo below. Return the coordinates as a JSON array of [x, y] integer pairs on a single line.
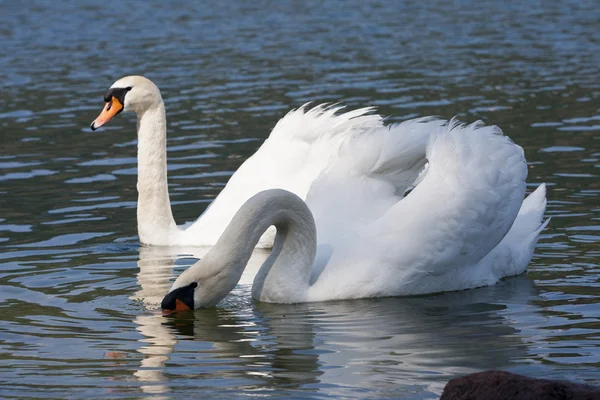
[[464, 224]]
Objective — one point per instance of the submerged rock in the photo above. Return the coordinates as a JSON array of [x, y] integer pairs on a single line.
[[500, 385]]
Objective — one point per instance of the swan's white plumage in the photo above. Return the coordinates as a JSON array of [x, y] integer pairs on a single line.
[[298, 148], [462, 208], [464, 224], [302, 145], [370, 174]]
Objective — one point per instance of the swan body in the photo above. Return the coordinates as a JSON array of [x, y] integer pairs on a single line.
[[303, 144], [464, 224]]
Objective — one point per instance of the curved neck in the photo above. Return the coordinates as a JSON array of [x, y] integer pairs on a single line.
[[284, 276], [155, 219]]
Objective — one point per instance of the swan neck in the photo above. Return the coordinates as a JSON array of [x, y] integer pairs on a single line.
[[155, 218], [284, 276]]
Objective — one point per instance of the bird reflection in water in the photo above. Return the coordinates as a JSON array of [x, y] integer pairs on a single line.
[[334, 346]]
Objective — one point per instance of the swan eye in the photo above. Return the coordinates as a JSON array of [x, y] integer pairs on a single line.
[[194, 285], [117, 93]]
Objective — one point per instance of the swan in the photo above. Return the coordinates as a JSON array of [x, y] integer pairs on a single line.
[[464, 224], [301, 146]]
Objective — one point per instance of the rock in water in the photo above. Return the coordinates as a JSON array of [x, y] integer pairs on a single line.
[[500, 385]]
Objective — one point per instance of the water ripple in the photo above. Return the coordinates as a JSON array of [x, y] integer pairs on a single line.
[[79, 299]]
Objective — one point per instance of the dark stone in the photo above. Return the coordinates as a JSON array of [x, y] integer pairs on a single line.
[[500, 385]]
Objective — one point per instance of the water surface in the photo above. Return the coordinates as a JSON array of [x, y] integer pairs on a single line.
[[78, 294]]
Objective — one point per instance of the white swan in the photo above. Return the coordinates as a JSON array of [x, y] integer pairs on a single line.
[[302, 145], [464, 225]]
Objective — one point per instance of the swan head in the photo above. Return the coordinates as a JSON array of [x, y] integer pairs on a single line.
[[202, 285], [131, 93]]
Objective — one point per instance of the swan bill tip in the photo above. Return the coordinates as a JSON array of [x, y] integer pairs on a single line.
[[180, 299], [179, 307], [112, 108]]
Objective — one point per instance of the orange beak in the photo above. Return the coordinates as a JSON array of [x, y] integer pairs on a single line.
[[179, 306], [112, 108]]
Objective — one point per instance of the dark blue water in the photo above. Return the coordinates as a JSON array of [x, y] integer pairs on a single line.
[[78, 296]]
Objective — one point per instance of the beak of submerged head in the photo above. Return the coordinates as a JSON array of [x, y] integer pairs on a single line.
[[111, 108], [180, 299]]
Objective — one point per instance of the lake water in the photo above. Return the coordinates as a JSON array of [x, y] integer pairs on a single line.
[[78, 295]]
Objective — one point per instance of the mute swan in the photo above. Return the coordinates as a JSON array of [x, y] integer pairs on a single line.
[[302, 145], [464, 225]]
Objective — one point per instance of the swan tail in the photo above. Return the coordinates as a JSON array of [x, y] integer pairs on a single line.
[[513, 254], [528, 225]]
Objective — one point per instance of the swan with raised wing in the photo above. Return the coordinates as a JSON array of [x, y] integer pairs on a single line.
[[464, 224], [302, 145]]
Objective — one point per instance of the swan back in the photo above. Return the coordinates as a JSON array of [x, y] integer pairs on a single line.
[[461, 209]]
